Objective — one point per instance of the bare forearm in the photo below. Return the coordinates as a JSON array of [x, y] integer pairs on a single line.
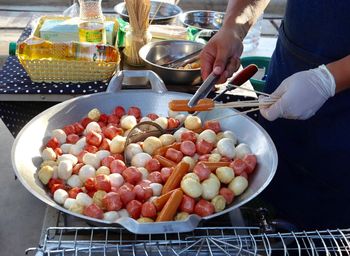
[[340, 70], [241, 14]]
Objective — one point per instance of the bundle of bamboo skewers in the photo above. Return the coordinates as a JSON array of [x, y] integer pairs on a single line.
[[138, 35]]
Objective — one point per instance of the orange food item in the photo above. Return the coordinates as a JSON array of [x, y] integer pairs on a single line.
[[175, 178], [181, 105], [170, 208], [161, 201], [214, 165], [162, 150], [165, 162]]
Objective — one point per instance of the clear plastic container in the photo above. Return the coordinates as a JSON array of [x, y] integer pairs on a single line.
[[251, 41], [91, 10], [133, 43]]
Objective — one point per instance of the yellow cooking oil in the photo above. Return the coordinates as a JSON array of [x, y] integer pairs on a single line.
[[92, 32], [35, 48]]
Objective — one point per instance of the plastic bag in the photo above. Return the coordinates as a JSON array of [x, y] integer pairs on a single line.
[[72, 11]]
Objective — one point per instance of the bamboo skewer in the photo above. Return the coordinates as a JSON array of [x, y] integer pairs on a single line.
[[250, 90], [236, 114], [138, 11], [209, 104], [156, 12]]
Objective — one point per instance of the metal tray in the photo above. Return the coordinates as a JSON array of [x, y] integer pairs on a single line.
[[28, 144]]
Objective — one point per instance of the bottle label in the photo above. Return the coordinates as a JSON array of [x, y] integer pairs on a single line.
[[92, 32], [93, 36]]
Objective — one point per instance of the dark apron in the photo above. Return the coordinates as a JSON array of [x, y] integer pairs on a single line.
[[311, 187]]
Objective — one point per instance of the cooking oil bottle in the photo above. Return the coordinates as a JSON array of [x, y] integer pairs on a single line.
[[91, 27], [35, 48]]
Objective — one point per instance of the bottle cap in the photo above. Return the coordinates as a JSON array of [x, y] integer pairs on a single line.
[[12, 48]]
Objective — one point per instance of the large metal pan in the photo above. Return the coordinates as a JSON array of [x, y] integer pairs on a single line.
[[28, 144]]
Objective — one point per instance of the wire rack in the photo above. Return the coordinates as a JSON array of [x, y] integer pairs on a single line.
[[202, 241]]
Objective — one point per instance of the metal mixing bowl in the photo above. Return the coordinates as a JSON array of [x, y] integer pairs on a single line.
[[157, 53], [166, 14], [202, 19]]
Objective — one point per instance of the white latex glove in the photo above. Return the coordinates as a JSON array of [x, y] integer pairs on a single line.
[[300, 95]]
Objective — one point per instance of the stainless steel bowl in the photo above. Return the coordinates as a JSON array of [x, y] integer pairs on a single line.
[[202, 19], [166, 14], [157, 53]]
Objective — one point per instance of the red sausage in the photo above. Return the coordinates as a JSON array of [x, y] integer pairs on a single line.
[[152, 116], [58, 151], [117, 166], [188, 135], [173, 123], [76, 168], [113, 119], [90, 184], [204, 147], [118, 156], [79, 128], [250, 161], [90, 148], [227, 194], [132, 175], [134, 208], [104, 145], [53, 143], [102, 182], [119, 111], [126, 193], [85, 121], [155, 177], [73, 192], [103, 118], [142, 193], [144, 183], [188, 148], [238, 166], [212, 125], [69, 129], [244, 174], [204, 208], [112, 201], [72, 138], [134, 111], [93, 211], [93, 138], [174, 155], [187, 204], [56, 186], [54, 181], [149, 210], [202, 171], [153, 165], [111, 131], [107, 161]]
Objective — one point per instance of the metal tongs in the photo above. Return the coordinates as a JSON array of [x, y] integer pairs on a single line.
[[190, 58], [211, 80]]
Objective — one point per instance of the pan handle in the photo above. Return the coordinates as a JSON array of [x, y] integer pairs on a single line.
[[116, 82]]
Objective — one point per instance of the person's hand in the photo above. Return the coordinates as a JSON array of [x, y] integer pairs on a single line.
[[301, 95], [221, 54]]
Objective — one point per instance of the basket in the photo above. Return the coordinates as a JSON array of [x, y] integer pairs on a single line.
[[75, 71], [68, 70]]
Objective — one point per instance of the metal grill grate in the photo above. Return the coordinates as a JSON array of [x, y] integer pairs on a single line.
[[202, 241]]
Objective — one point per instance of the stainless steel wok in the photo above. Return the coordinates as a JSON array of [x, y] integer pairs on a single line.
[[28, 144]]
